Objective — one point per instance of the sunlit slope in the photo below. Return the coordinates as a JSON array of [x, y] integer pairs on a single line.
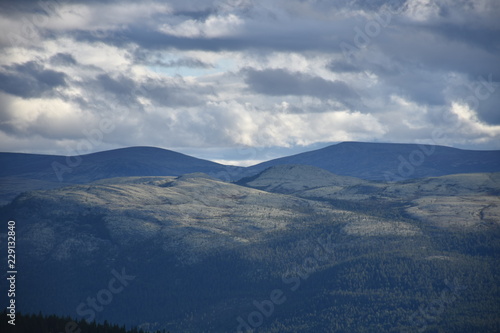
[[455, 201]]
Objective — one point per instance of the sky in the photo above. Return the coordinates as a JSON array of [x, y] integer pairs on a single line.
[[242, 81]]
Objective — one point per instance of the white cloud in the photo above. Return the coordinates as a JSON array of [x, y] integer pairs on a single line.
[[243, 163], [470, 126], [214, 26], [97, 16], [48, 118]]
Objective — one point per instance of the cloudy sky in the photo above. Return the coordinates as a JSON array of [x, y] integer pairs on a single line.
[[246, 80]]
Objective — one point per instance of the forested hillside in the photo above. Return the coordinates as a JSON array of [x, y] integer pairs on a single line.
[[202, 255]]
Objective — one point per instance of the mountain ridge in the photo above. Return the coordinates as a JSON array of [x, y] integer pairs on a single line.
[[22, 172], [391, 162]]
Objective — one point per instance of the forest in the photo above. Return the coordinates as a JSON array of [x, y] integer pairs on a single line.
[[39, 323]]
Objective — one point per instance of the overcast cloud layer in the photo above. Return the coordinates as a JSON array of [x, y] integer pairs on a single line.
[[217, 78]]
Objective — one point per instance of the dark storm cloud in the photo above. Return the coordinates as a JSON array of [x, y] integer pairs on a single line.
[[483, 96], [488, 108], [121, 86], [62, 59], [279, 82], [195, 14], [126, 92], [375, 5], [30, 79], [482, 37], [341, 66], [266, 40], [419, 87], [185, 62], [175, 94]]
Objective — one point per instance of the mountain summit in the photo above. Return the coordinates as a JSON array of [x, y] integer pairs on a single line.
[[370, 161], [391, 161]]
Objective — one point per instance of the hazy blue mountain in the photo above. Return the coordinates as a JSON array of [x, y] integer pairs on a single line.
[[391, 161], [23, 172], [125, 162]]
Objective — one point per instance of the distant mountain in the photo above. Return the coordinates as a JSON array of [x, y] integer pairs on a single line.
[[390, 161], [23, 172], [369, 161], [125, 162]]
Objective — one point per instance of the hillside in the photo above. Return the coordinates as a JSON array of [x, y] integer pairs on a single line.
[[295, 178], [454, 201], [200, 253]]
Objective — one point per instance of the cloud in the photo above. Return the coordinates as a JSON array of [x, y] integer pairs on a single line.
[[230, 73], [33, 118], [158, 59], [341, 66], [281, 82], [30, 79], [469, 125], [176, 92], [212, 27], [185, 62], [62, 59]]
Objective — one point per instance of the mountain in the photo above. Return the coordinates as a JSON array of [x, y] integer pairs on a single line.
[[152, 238], [370, 161], [196, 254], [390, 161], [453, 201], [23, 172], [295, 178], [186, 238], [125, 162]]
